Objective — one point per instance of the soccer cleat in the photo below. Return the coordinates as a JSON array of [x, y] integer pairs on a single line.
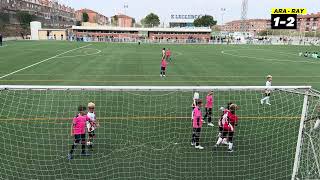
[[261, 101], [192, 143], [203, 121], [210, 124], [199, 147], [215, 146], [230, 150], [268, 104], [160, 75], [69, 156], [164, 75]]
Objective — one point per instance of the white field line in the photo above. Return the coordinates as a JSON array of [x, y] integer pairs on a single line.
[[43, 61], [85, 53], [267, 59]]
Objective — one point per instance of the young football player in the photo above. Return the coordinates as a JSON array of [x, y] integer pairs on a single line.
[[224, 111], [228, 122], [168, 55], [163, 53], [196, 96], [92, 124], [163, 68], [1, 39], [197, 125], [209, 105], [78, 130], [267, 91], [317, 119]]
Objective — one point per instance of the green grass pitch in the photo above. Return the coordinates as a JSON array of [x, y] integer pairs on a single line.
[[147, 135]]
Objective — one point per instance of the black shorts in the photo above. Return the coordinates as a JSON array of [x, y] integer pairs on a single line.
[[79, 137], [224, 134], [163, 68], [267, 94], [220, 129], [230, 136], [197, 131], [92, 134]]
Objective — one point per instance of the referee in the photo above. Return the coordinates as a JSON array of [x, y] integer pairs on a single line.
[[0, 39]]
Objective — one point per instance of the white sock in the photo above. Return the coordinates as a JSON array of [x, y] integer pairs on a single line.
[[265, 98], [268, 100], [219, 141], [230, 145]]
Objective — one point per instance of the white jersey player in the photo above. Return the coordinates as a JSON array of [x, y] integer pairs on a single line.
[[92, 124], [196, 97], [267, 92]]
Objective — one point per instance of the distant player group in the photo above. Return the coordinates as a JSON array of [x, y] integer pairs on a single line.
[[227, 121], [314, 55]]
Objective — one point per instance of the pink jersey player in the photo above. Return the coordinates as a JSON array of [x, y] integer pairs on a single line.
[[168, 55], [197, 125], [78, 130], [209, 106], [79, 124], [163, 68], [197, 117]]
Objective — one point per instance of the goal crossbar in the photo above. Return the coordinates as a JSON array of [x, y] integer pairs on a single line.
[[149, 88]]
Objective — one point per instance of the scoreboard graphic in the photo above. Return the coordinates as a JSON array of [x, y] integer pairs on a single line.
[[286, 18]]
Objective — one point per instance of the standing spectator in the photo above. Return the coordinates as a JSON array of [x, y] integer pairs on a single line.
[[0, 39]]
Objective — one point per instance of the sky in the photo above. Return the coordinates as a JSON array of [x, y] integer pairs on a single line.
[[164, 8]]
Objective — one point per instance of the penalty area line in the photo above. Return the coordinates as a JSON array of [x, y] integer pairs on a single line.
[[42, 61]]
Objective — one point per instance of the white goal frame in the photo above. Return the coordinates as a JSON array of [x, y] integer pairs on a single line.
[[151, 88], [304, 90]]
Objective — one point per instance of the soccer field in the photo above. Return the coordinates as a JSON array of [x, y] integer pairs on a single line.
[[146, 135]]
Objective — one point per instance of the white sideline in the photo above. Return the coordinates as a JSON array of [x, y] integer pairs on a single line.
[[43, 61]]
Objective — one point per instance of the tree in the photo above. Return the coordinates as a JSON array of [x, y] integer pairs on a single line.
[[25, 18], [85, 17], [142, 22], [4, 18], [204, 21], [151, 20]]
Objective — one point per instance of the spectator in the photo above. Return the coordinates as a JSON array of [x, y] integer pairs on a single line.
[[1, 39]]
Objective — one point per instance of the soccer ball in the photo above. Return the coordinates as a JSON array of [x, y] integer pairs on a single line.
[[222, 109], [222, 52], [89, 143]]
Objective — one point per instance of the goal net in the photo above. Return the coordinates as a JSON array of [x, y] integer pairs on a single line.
[[145, 133]]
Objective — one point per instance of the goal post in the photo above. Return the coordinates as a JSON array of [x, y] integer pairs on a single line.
[[145, 133]]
